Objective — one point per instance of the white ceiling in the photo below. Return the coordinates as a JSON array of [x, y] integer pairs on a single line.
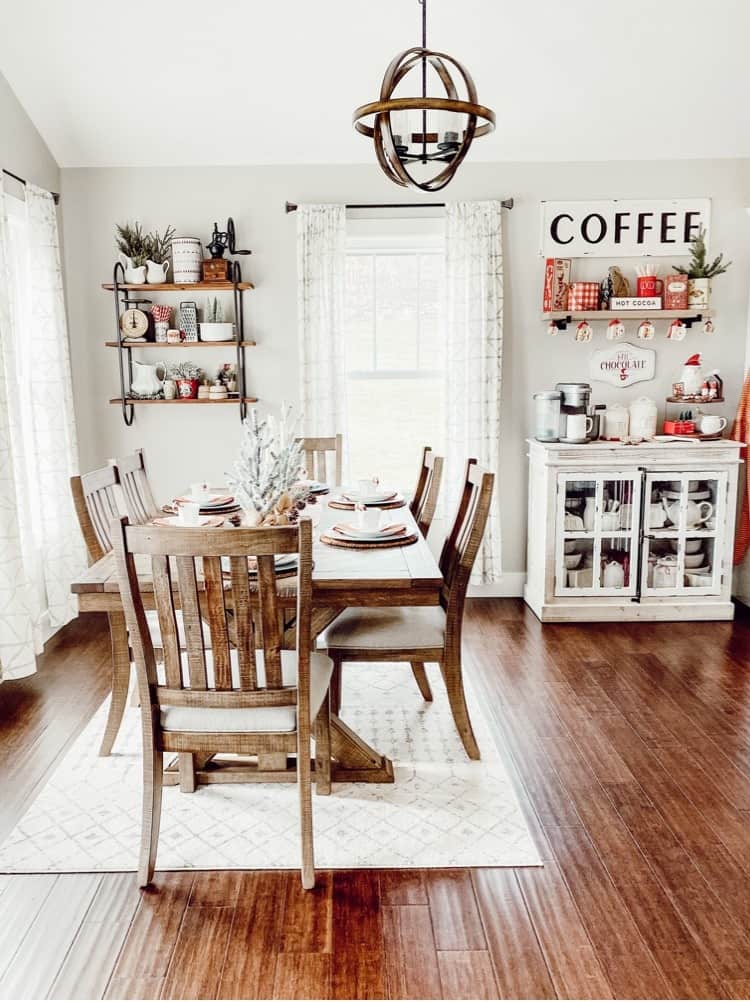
[[151, 82]]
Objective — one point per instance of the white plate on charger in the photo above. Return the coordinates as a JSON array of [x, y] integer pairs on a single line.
[[367, 535], [377, 497], [282, 562]]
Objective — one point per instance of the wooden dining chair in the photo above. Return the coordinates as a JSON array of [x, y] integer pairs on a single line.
[[251, 697], [423, 634], [316, 452], [96, 498], [424, 501], [138, 498]]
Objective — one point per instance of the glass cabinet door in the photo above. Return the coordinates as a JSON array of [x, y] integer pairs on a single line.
[[597, 533], [683, 539]]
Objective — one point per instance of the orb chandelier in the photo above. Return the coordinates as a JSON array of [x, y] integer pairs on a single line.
[[424, 130]]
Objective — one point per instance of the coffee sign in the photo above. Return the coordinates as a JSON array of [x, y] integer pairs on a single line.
[[622, 364], [622, 227]]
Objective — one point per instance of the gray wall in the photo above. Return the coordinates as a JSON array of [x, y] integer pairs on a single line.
[[192, 198], [22, 149]]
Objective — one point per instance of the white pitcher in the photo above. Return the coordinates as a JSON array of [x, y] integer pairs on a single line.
[[133, 275], [156, 273], [146, 382]]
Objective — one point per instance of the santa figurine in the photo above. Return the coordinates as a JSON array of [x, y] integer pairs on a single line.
[[692, 376]]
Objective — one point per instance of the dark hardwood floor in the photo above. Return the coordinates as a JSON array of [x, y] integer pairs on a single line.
[[630, 745]]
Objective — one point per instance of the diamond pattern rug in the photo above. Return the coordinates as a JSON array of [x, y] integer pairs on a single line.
[[442, 810]]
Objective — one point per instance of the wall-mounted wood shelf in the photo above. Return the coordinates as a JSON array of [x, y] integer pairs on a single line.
[[695, 400], [126, 363], [561, 318], [187, 287], [182, 344], [570, 315], [182, 400]]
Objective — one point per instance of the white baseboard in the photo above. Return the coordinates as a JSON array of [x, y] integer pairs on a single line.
[[511, 586]]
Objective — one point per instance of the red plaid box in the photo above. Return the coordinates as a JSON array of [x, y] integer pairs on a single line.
[[584, 296]]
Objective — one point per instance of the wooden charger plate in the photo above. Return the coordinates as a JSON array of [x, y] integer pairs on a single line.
[[384, 506], [353, 544]]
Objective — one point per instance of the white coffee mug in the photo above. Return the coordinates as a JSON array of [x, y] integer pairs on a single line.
[[200, 493], [188, 512], [367, 487], [578, 426], [712, 424], [368, 517]]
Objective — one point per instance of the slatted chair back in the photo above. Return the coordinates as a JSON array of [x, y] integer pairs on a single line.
[[138, 498], [424, 502], [97, 501], [462, 543], [194, 568], [316, 452]]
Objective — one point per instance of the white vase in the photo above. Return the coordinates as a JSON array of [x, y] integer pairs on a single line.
[[133, 275], [156, 274], [699, 292]]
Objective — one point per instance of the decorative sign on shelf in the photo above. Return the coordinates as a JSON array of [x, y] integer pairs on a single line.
[[622, 364], [623, 227], [635, 303]]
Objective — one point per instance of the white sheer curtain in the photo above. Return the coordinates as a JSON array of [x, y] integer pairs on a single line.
[[474, 307], [40, 544], [321, 262]]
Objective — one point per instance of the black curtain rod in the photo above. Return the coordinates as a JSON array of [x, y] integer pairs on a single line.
[[507, 203], [22, 181]]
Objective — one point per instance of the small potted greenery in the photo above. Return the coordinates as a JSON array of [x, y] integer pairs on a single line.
[[157, 264], [135, 248], [187, 375], [214, 327], [700, 272]]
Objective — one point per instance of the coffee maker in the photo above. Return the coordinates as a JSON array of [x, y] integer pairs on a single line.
[[576, 425]]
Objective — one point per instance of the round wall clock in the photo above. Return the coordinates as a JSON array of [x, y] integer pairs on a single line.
[[133, 323]]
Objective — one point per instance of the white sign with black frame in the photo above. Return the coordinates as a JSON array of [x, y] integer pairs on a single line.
[[623, 227]]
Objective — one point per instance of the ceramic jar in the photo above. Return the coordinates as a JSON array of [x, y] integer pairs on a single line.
[[187, 254], [699, 292], [642, 414], [616, 423]]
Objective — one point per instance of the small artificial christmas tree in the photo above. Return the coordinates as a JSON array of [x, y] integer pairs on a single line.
[[268, 468], [699, 266]]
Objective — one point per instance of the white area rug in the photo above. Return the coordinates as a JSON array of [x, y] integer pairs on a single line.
[[442, 810]]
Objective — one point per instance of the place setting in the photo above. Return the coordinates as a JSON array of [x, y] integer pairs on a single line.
[[368, 493], [202, 507], [370, 529]]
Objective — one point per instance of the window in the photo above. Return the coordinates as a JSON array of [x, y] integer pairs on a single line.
[[395, 353]]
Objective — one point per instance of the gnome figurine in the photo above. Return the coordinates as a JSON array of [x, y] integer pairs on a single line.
[[692, 376]]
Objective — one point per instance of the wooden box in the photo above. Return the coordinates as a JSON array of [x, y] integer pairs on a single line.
[[215, 270]]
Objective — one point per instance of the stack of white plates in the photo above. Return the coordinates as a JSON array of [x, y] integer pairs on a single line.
[[219, 503], [355, 534], [376, 496], [283, 562]]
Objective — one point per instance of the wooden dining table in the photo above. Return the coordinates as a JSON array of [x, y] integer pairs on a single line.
[[342, 578]]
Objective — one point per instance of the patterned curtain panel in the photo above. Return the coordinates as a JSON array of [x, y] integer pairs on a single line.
[[474, 287], [41, 549], [321, 260]]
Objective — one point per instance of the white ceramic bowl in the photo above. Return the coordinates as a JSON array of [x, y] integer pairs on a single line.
[[691, 545], [694, 559], [572, 560], [699, 580]]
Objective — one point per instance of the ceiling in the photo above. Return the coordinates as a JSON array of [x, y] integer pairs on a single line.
[[155, 82]]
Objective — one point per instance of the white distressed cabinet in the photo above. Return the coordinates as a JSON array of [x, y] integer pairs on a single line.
[[620, 532]]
